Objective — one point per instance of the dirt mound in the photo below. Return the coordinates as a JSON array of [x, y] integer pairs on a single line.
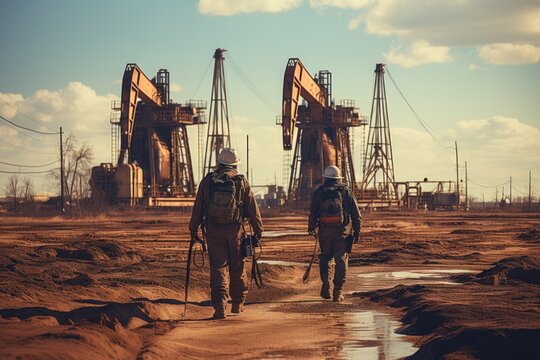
[[99, 251], [378, 257], [397, 296], [533, 235], [277, 280], [81, 279], [113, 311], [91, 341], [521, 269], [476, 319], [483, 344]]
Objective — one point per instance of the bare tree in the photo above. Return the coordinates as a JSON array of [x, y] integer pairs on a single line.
[[77, 167], [14, 190], [27, 189]]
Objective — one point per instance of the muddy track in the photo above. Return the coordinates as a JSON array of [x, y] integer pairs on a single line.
[[112, 287]]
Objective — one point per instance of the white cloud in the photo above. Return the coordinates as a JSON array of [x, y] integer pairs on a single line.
[[495, 148], [501, 135], [320, 5], [455, 23], [76, 107], [8, 104], [354, 22], [416, 156], [234, 7], [420, 52], [510, 53], [452, 23], [175, 87]]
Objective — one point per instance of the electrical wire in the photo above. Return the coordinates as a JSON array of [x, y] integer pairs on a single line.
[[519, 191], [487, 186], [27, 135], [202, 79], [250, 85], [28, 129], [27, 172], [30, 166], [430, 133], [22, 148], [23, 114]]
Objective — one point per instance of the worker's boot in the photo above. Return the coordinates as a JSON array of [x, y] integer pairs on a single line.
[[325, 290], [219, 314], [337, 295], [237, 308], [324, 268]]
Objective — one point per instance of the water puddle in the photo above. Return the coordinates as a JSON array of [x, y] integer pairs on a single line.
[[282, 263], [280, 233], [386, 279], [374, 336]]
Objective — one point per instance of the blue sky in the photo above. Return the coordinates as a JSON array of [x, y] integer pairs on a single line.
[[469, 68]]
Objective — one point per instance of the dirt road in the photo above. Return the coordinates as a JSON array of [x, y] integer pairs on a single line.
[[112, 287]]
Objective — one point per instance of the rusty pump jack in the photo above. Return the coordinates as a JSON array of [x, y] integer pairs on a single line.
[[324, 130], [154, 145]]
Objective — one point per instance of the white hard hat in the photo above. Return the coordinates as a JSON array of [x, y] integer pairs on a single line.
[[332, 172], [228, 156]]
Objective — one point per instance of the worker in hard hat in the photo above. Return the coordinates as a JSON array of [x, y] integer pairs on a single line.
[[224, 202], [335, 213]]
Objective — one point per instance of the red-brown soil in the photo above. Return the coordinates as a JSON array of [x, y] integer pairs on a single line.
[[111, 286]]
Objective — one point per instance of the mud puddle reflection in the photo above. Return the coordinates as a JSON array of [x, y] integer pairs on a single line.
[[374, 337], [280, 233], [388, 279], [282, 263]]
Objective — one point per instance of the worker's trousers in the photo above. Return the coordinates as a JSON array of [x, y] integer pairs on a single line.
[[333, 245], [226, 262]]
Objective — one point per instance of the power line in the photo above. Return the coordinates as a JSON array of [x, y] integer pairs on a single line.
[[27, 135], [23, 114], [27, 172], [416, 114], [25, 149], [250, 85], [29, 166], [202, 79], [28, 129], [487, 186]]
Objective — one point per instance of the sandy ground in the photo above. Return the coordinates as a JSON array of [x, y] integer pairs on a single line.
[[453, 285]]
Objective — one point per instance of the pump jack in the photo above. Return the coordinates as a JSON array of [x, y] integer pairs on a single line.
[[324, 136], [153, 137]]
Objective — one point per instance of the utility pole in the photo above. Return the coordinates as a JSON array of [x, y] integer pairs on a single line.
[[483, 201], [510, 190], [466, 189], [61, 172], [247, 157], [457, 176], [496, 195], [529, 190]]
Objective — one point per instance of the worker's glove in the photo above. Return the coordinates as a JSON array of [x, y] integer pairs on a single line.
[[356, 238], [311, 231]]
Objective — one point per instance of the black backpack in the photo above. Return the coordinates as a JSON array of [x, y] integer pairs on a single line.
[[331, 212], [225, 200]]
